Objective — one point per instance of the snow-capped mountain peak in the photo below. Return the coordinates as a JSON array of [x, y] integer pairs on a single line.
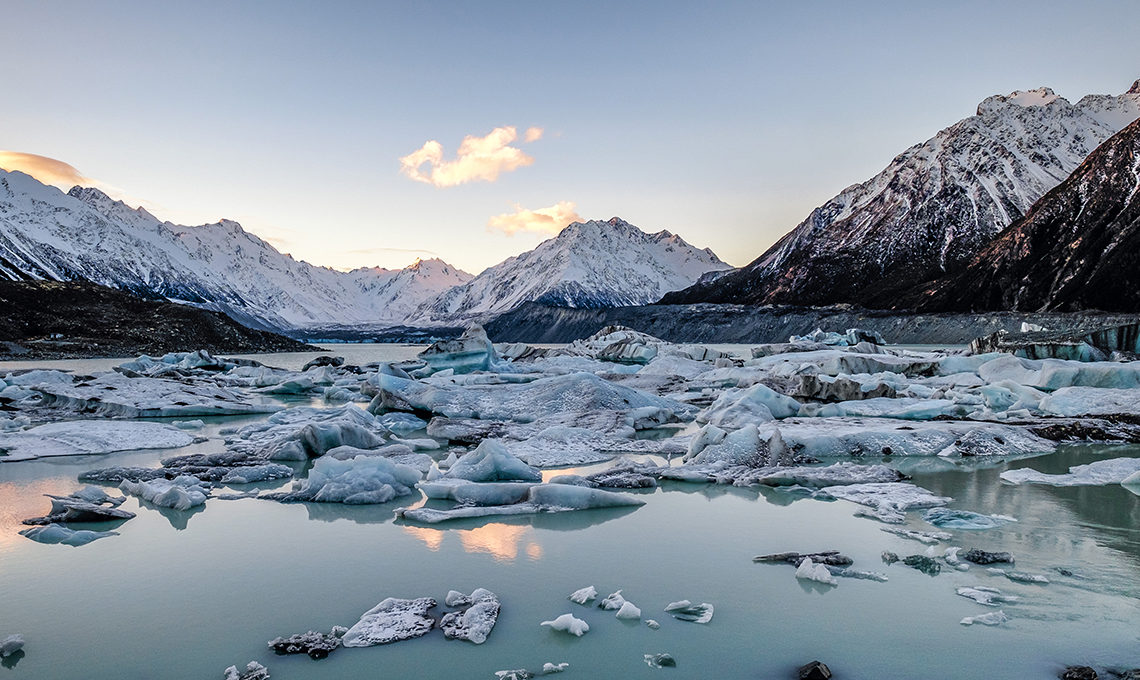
[[596, 263]]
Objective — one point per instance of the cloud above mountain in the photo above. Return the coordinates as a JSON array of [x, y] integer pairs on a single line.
[[46, 170], [550, 220], [479, 159]]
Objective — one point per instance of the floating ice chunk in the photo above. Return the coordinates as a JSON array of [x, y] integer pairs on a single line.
[[1019, 576], [477, 493], [248, 474], [11, 644], [305, 432], [685, 610], [476, 621], [492, 462], [253, 671], [836, 474], [401, 423], [757, 404], [844, 572], [827, 557], [652, 623], [188, 424], [928, 537], [1090, 401], [612, 601], [90, 504], [181, 493], [978, 556], [391, 621], [568, 623], [541, 498], [744, 446], [1057, 374], [629, 612], [356, 481], [316, 645], [1098, 473], [988, 619], [951, 558], [471, 351], [991, 597], [89, 437], [964, 519], [584, 595], [810, 571], [660, 661], [548, 668], [57, 533], [923, 563], [888, 500], [112, 394], [551, 396]]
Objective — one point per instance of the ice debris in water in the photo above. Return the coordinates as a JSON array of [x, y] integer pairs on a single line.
[[316, 645], [927, 537], [652, 623], [89, 504], [687, 611], [89, 437], [584, 595], [359, 480], [1019, 576], [978, 556], [964, 519], [540, 498], [923, 563], [612, 601], [476, 621], [253, 671], [831, 558], [181, 493], [888, 500], [660, 660], [492, 462], [810, 571], [57, 533], [1098, 473], [987, 619], [629, 612], [471, 351], [568, 623], [548, 668], [11, 644], [951, 558], [391, 621], [991, 597]]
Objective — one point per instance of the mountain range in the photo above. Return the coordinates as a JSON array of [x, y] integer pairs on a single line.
[[934, 208], [84, 234]]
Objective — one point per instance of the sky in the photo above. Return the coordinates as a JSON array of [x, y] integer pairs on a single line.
[[370, 134]]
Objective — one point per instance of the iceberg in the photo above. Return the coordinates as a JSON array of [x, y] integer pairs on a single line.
[[757, 404], [391, 621], [888, 500], [11, 644], [57, 533], [988, 619], [253, 671], [355, 481], [612, 601], [316, 645], [305, 432], [628, 612], [684, 610], [89, 504], [541, 498], [181, 493], [1098, 473], [492, 462], [584, 595], [89, 437], [991, 597], [837, 474], [471, 351], [116, 395], [810, 571], [568, 623], [964, 519], [927, 537]]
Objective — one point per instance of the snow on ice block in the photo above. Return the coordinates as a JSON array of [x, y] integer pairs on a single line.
[[89, 437], [1091, 401], [112, 394], [391, 621], [757, 404], [476, 621], [355, 481], [492, 462], [1098, 473]]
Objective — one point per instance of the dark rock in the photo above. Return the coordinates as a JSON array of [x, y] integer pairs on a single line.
[[816, 670], [1079, 673], [982, 557], [925, 564], [323, 360]]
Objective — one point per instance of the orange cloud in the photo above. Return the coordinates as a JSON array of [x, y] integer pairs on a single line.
[[543, 221], [532, 134], [478, 158], [46, 170]]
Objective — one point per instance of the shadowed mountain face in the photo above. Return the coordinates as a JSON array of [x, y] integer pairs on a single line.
[[1078, 248], [933, 208]]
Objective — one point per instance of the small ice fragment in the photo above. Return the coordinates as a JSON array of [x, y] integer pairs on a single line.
[[612, 601], [515, 674], [584, 595], [988, 619], [809, 571], [660, 661], [548, 668], [1018, 576], [253, 671], [991, 597], [652, 623], [629, 611], [11, 644], [687, 611], [476, 622], [951, 558], [568, 623]]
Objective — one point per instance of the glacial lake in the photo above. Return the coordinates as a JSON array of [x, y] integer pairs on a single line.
[[185, 594]]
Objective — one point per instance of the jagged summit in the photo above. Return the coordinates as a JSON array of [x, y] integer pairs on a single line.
[[595, 263], [933, 208]]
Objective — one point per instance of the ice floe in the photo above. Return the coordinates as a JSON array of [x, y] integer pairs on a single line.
[[684, 610], [89, 437], [991, 597], [540, 498], [810, 571], [888, 501], [1097, 473], [475, 622], [989, 619], [181, 493], [57, 533], [964, 519], [354, 481], [114, 394], [253, 671], [568, 623], [584, 595], [89, 504], [391, 621], [11, 644]]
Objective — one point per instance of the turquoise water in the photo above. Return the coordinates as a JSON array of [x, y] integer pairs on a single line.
[[183, 595]]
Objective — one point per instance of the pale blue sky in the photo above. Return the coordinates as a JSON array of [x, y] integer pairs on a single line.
[[726, 123]]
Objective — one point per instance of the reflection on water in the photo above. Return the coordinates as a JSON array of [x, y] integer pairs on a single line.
[[501, 541]]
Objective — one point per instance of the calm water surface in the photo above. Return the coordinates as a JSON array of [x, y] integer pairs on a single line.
[[183, 595]]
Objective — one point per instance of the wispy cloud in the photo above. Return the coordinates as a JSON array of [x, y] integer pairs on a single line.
[[478, 158], [46, 170], [370, 251], [542, 221]]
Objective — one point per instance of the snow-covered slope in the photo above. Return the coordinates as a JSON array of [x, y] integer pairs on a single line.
[[84, 234], [934, 207], [589, 264]]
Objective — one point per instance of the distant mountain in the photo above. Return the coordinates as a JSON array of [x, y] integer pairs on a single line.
[[933, 208], [589, 264], [86, 235], [1078, 248]]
